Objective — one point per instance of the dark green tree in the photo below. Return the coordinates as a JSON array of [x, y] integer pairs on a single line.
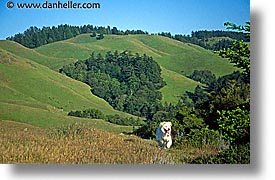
[[100, 36]]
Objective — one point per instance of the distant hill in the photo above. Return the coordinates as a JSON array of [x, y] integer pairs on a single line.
[[34, 37]]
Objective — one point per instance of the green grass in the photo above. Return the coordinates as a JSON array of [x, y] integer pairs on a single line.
[[184, 58], [29, 79], [173, 55], [176, 85], [48, 117], [23, 52], [34, 94]]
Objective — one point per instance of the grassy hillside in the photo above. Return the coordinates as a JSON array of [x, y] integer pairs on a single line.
[[176, 85], [35, 94], [23, 52], [173, 55], [176, 59]]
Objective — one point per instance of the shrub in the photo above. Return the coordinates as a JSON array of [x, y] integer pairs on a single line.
[[147, 130], [100, 36], [185, 122], [235, 125], [88, 113], [93, 34], [204, 136]]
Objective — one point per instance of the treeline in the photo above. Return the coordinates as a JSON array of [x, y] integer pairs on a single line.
[[115, 119], [35, 37], [201, 38], [128, 82], [205, 34], [218, 33]]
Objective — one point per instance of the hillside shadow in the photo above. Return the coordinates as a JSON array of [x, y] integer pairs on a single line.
[[113, 171]]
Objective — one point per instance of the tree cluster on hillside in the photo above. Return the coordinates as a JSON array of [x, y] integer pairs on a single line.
[[35, 37], [218, 114], [203, 76], [128, 82]]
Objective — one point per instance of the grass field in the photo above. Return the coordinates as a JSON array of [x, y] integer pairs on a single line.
[[78, 144], [23, 52], [35, 82]]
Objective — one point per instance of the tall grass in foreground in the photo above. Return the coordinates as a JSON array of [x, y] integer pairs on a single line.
[[75, 144], [80, 144]]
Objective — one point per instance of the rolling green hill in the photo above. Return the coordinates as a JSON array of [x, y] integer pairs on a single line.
[[23, 52], [34, 94], [176, 59], [173, 55]]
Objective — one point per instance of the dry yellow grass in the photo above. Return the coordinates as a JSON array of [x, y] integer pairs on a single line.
[[75, 144], [79, 144]]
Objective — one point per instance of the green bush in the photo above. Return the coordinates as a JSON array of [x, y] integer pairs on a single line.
[[204, 136], [235, 125], [88, 113], [185, 122], [93, 34], [148, 130]]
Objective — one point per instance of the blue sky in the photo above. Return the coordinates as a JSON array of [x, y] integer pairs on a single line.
[[175, 16]]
